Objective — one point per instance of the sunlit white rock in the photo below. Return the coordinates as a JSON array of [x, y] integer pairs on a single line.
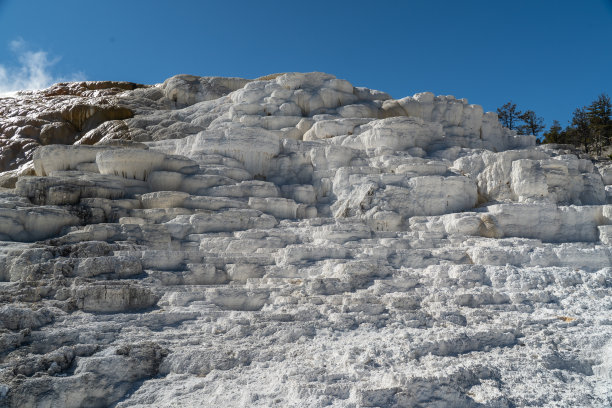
[[297, 241]]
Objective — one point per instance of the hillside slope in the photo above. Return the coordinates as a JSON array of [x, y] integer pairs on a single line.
[[295, 241]]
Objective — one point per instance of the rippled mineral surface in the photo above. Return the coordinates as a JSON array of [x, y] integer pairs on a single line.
[[295, 241]]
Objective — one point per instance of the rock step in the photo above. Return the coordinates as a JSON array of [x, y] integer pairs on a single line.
[[231, 243], [168, 260], [224, 297], [221, 221], [236, 173], [154, 235], [276, 206]]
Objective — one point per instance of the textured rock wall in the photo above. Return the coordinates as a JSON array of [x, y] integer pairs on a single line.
[[295, 241]]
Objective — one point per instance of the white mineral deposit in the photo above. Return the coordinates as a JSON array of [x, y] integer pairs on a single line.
[[294, 241]]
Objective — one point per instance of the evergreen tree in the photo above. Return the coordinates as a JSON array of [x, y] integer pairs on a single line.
[[509, 115], [532, 124], [580, 131], [555, 134], [599, 114]]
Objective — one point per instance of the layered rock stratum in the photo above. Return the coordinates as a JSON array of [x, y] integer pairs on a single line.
[[295, 241]]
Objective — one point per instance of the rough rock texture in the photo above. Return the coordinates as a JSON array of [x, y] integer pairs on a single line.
[[61, 114], [295, 241]]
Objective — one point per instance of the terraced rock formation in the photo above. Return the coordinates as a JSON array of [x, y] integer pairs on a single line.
[[295, 241]]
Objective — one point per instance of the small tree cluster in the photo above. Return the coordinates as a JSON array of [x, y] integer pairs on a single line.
[[526, 123], [590, 127]]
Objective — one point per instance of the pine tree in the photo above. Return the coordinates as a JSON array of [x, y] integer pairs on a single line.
[[599, 113], [509, 115], [580, 131], [555, 134], [532, 124]]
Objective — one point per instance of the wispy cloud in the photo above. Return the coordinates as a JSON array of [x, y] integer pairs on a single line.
[[32, 71]]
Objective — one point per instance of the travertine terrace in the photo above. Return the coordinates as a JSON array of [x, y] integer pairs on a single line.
[[295, 241]]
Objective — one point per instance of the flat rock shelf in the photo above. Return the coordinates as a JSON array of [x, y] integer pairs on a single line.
[[295, 241]]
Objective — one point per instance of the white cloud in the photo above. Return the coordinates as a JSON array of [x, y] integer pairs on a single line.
[[32, 72]]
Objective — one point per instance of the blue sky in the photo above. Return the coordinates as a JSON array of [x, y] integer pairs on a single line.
[[550, 56]]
